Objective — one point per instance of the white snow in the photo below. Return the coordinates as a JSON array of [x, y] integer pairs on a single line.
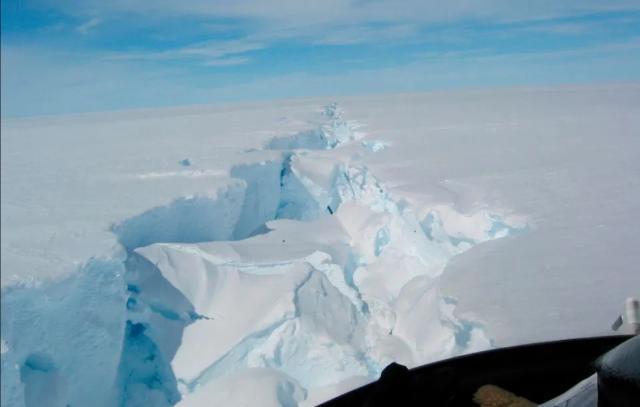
[[288, 252]]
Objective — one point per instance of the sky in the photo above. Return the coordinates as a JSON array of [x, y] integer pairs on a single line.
[[73, 56]]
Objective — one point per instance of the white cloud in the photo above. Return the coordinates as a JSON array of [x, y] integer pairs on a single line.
[[39, 81], [211, 53], [307, 12], [621, 47], [217, 49], [228, 61], [88, 25], [364, 34], [44, 80], [316, 20]]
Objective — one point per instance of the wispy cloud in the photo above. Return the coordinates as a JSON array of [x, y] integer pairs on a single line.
[[211, 53], [483, 54], [315, 19], [228, 61], [285, 48], [88, 25], [216, 49], [348, 10], [366, 34]]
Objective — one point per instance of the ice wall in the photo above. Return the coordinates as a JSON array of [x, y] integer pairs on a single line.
[[64, 339]]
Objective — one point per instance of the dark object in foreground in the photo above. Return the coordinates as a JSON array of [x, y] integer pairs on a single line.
[[619, 375], [538, 372]]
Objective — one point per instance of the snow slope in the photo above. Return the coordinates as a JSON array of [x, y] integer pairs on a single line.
[[189, 255]]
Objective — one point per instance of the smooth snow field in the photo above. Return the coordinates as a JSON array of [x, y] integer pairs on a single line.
[[279, 254]]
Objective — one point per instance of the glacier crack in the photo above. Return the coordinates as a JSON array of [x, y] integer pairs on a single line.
[[303, 273]]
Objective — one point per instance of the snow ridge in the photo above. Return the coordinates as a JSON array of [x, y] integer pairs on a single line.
[[303, 274]]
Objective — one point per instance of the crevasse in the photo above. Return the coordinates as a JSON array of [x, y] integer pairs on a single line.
[[308, 279]]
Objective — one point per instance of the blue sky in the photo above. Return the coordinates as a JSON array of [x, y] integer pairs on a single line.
[[66, 56]]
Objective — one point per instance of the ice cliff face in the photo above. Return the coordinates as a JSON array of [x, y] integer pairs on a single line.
[[304, 273], [63, 338]]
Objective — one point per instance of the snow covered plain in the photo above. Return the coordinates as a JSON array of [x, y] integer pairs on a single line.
[[284, 253]]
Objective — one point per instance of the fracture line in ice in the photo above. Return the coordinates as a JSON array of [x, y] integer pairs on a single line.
[[367, 299], [347, 192], [335, 132]]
